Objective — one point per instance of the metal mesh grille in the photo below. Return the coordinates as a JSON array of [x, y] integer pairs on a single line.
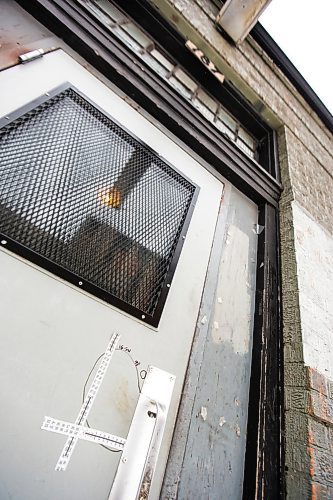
[[80, 191]]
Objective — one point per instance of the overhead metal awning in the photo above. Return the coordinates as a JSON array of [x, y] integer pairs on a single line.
[[237, 17]]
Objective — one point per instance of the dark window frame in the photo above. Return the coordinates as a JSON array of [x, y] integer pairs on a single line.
[[226, 93], [264, 462]]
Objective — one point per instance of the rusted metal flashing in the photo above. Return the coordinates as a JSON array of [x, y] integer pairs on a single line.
[[237, 17], [21, 35]]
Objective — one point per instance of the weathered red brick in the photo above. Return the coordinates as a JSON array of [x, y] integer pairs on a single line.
[[316, 381]]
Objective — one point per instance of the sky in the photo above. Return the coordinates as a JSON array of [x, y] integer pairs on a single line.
[[304, 31]]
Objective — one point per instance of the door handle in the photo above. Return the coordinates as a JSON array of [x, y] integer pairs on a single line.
[[139, 457]]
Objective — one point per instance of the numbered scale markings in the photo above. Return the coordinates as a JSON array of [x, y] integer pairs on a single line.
[[78, 429], [81, 432]]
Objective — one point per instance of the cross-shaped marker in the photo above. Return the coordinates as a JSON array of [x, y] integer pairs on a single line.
[[79, 430]]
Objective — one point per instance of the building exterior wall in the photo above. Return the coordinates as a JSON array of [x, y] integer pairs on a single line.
[[306, 231]]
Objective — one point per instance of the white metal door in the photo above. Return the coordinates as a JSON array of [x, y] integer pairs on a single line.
[[52, 333]]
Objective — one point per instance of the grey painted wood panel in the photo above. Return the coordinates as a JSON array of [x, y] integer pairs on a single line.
[[207, 456]]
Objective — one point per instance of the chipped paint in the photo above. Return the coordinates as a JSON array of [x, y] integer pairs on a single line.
[[222, 421], [204, 320], [203, 413], [228, 238], [217, 337], [219, 373]]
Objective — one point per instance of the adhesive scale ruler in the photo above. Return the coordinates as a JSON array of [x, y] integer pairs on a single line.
[[82, 432], [78, 429]]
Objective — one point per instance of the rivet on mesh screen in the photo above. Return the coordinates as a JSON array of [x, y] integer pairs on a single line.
[[110, 197], [183, 237], [143, 316], [168, 285], [7, 117], [80, 283], [3, 242]]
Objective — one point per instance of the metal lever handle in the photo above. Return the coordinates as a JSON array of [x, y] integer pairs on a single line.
[[138, 461]]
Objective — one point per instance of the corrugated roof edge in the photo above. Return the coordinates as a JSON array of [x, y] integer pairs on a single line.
[[266, 42]]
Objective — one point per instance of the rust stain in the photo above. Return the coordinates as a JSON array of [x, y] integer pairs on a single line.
[[145, 486], [313, 491], [312, 468], [122, 401], [10, 51], [316, 380]]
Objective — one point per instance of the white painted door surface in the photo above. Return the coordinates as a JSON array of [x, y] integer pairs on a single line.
[[52, 333]]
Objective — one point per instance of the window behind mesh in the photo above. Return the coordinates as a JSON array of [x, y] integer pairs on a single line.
[[85, 195]]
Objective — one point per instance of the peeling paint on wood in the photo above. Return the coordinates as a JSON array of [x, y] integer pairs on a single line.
[[208, 451]]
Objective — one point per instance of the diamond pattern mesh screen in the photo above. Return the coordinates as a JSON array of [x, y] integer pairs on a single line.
[[81, 192]]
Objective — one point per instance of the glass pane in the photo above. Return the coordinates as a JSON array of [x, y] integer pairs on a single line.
[[207, 113], [162, 60], [226, 130], [110, 9], [126, 38], [84, 194], [245, 147], [245, 137], [208, 101], [180, 87], [137, 35], [228, 121], [155, 65], [185, 79]]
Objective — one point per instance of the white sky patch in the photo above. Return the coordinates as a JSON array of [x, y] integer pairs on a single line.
[[303, 30]]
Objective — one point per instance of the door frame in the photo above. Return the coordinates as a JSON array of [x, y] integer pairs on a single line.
[[76, 313], [88, 37]]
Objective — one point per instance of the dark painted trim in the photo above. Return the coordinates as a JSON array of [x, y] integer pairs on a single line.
[[281, 386], [107, 54], [171, 40], [167, 37], [263, 468], [266, 42]]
